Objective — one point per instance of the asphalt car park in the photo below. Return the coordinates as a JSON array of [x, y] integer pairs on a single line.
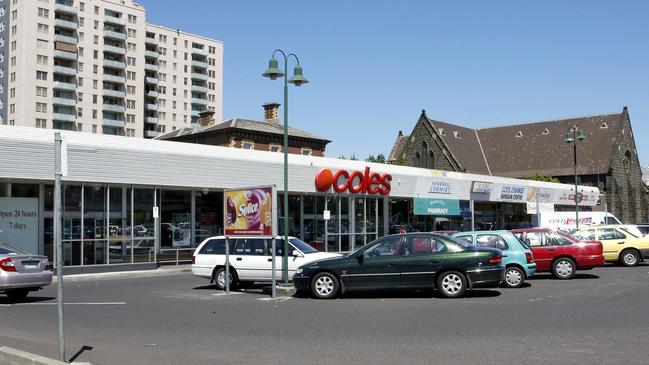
[[596, 318]]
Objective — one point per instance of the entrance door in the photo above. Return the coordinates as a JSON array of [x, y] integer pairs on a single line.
[[422, 257]]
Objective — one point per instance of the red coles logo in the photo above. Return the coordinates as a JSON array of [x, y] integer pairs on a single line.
[[354, 182]]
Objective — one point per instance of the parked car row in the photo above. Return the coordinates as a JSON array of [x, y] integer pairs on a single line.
[[449, 262]]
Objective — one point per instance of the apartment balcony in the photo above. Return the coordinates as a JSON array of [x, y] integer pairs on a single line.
[[151, 120], [152, 41], [67, 9], [199, 101], [200, 89], [114, 20], [199, 76], [199, 51], [65, 24], [114, 64], [65, 55], [62, 85], [152, 93], [151, 134], [115, 123], [152, 107], [114, 93], [151, 80], [115, 49], [65, 39], [114, 78], [69, 71], [64, 117], [199, 64], [114, 108], [114, 35], [152, 54], [151, 67], [64, 101]]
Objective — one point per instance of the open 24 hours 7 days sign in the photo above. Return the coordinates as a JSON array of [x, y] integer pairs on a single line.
[[250, 212]]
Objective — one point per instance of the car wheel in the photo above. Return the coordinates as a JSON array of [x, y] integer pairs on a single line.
[[324, 285], [452, 284], [17, 294], [564, 268], [219, 278], [629, 257], [514, 277]]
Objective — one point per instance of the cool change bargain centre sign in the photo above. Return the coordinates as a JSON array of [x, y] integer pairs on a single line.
[[427, 206], [19, 223]]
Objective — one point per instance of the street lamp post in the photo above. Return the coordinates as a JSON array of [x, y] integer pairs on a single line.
[[573, 136], [273, 72]]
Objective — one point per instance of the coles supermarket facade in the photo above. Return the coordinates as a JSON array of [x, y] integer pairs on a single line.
[[129, 200]]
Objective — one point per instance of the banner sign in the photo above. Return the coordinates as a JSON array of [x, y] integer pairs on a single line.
[[585, 197], [481, 187], [509, 193], [439, 187], [542, 208], [442, 188], [541, 195], [250, 212], [427, 206], [19, 223]]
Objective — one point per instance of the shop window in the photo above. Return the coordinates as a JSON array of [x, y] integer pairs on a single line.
[[209, 215], [175, 218]]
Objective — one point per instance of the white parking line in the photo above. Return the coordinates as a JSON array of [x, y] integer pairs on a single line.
[[72, 303], [278, 299]]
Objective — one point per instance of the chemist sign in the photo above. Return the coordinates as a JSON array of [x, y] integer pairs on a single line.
[[429, 206], [19, 223]]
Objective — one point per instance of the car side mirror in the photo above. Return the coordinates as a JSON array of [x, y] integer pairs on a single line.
[[297, 254], [360, 257]]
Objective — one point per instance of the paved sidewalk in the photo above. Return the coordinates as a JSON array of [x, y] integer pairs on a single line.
[[162, 270]]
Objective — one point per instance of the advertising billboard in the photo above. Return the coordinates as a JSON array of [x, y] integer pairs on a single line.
[[250, 212]]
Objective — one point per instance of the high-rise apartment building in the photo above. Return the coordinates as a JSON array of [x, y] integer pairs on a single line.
[[96, 66]]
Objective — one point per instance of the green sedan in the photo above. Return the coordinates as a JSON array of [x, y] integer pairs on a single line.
[[404, 261]]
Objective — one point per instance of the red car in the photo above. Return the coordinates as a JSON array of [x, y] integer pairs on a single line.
[[560, 254]]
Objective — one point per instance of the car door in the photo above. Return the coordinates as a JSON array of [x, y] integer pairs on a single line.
[[422, 258], [613, 243], [542, 251], [377, 265], [251, 259], [295, 258]]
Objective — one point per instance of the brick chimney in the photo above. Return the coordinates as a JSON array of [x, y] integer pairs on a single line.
[[271, 112], [206, 118]]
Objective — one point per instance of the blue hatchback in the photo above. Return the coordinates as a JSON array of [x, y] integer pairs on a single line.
[[517, 256]]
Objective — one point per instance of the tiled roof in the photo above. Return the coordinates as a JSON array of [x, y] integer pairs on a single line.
[[245, 124]]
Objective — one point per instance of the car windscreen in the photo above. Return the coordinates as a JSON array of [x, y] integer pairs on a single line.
[[302, 246], [6, 249], [633, 231]]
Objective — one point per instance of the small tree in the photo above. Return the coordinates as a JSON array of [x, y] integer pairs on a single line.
[[536, 177]]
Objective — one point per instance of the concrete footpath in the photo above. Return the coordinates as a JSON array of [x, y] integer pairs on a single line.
[[162, 270], [12, 356]]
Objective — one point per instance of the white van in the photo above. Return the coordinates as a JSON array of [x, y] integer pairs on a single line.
[[250, 259], [566, 221]]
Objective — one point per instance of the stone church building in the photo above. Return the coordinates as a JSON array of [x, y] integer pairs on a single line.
[[607, 157]]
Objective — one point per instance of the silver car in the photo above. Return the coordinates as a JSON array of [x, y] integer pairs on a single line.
[[21, 272]]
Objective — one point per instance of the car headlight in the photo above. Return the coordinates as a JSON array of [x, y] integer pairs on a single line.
[[299, 271]]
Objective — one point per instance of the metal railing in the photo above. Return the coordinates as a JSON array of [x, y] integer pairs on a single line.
[[178, 259]]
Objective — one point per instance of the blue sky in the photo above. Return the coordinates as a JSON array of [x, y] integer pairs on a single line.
[[374, 65]]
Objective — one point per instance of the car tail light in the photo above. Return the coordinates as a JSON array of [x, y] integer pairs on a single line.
[[193, 259], [7, 265], [46, 265], [529, 257], [495, 260]]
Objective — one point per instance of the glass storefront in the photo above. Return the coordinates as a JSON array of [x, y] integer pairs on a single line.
[[112, 224]]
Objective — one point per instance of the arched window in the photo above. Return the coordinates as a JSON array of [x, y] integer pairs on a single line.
[[417, 161], [626, 162], [431, 160], [424, 155]]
